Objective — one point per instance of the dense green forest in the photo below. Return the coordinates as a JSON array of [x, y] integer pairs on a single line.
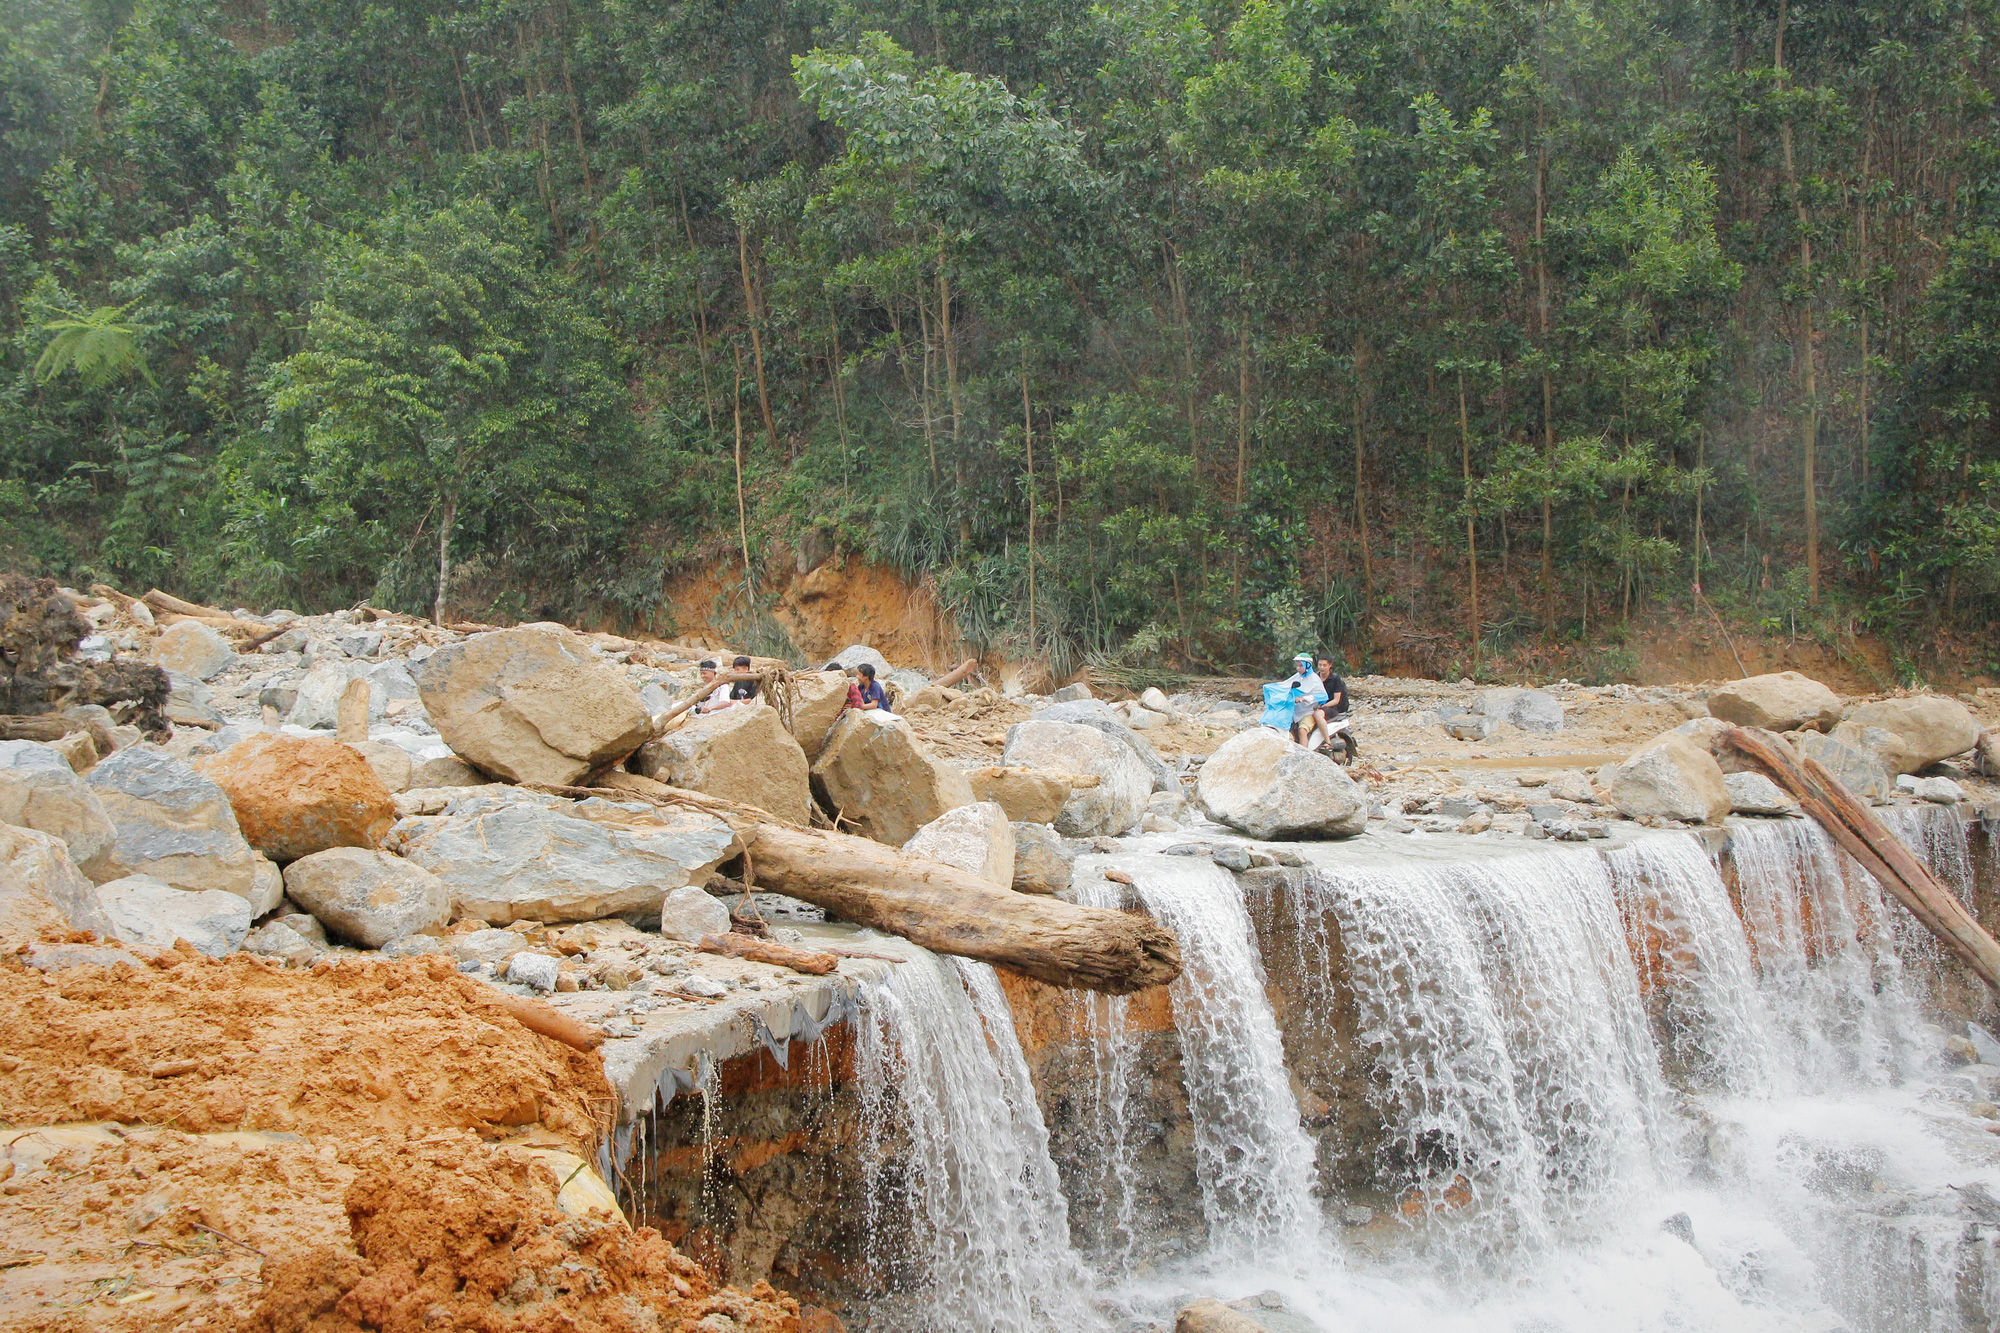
[[1447, 327]]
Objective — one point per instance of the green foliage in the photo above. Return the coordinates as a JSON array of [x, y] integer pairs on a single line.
[[1313, 308]]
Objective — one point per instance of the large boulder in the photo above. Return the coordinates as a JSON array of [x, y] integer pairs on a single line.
[[817, 700], [1852, 759], [1756, 794], [1925, 729], [873, 774], [1780, 701], [1041, 859], [171, 823], [1530, 710], [528, 706], [691, 912], [1672, 778], [739, 754], [1028, 795], [193, 649], [1115, 804], [853, 656], [1265, 784], [1096, 713], [976, 838], [294, 795], [524, 862], [143, 910], [39, 790], [368, 897], [41, 889]]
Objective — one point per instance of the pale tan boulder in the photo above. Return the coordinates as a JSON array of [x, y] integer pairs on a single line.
[[817, 700], [1924, 728], [1115, 804], [739, 754], [367, 897], [1265, 784], [1028, 795], [392, 764], [1672, 778], [529, 706], [294, 795], [883, 784], [41, 889], [444, 771], [1779, 701], [193, 649], [976, 838], [39, 790]]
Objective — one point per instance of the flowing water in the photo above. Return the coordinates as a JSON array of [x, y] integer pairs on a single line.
[[973, 1228], [1431, 1086]]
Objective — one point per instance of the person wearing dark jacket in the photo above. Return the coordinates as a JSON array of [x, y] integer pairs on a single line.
[[1336, 705]]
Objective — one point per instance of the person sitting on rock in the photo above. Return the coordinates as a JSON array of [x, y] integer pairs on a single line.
[[1306, 705], [743, 690], [1336, 705], [866, 693], [719, 696]]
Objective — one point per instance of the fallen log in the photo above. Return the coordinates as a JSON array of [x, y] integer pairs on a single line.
[[1865, 838], [732, 945], [543, 1019], [956, 674], [942, 908], [697, 694], [43, 727]]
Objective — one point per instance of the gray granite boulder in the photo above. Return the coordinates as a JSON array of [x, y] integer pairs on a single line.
[[524, 862], [42, 889], [171, 823], [1672, 778], [975, 838]]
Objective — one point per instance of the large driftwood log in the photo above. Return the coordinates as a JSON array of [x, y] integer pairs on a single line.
[[942, 908], [1869, 841]]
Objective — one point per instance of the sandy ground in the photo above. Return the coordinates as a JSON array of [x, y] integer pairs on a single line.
[[345, 1147]]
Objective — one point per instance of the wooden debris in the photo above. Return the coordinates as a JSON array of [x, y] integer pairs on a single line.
[[939, 907], [544, 1019], [757, 950], [1868, 840]]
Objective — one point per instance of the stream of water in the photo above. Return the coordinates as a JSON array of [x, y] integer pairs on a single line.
[[1545, 1091]]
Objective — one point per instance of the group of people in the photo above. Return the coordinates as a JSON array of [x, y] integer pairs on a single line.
[[1319, 704], [864, 692]]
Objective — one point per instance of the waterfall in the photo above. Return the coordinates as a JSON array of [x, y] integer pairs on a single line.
[[1252, 1157], [1509, 1055], [1825, 953], [1710, 1021], [968, 1222]]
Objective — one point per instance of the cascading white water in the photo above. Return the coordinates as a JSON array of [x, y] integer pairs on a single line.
[[1825, 954], [1516, 1074], [1692, 954], [1252, 1157], [957, 1158]]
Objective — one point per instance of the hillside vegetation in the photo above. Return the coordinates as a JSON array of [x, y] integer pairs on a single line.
[[1444, 328]]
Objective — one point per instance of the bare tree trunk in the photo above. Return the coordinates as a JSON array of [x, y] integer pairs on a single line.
[[1028, 438], [755, 309], [1471, 544], [930, 427], [742, 522], [957, 415], [1809, 441], [700, 313], [1361, 499], [1177, 281], [444, 551], [1242, 440], [1548, 394]]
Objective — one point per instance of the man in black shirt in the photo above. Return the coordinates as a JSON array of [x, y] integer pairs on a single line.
[[1336, 706], [742, 689]]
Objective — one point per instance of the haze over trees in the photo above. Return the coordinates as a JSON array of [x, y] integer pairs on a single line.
[[1428, 328]]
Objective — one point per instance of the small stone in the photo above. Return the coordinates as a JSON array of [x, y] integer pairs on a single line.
[[533, 969], [272, 940], [1357, 1215], [367, 643], [1457, 807], [1478, 822], [1593, 830], [1536, 831], [1070, 693], [1756, 794], [1573, 786], [1189, 849], [1153, 698], [1543, 811], [692, 912], [1939, 791], [706, 988], [1231, 857]]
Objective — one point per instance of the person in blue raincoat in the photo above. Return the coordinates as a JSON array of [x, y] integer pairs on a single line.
[[1295, 700]]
